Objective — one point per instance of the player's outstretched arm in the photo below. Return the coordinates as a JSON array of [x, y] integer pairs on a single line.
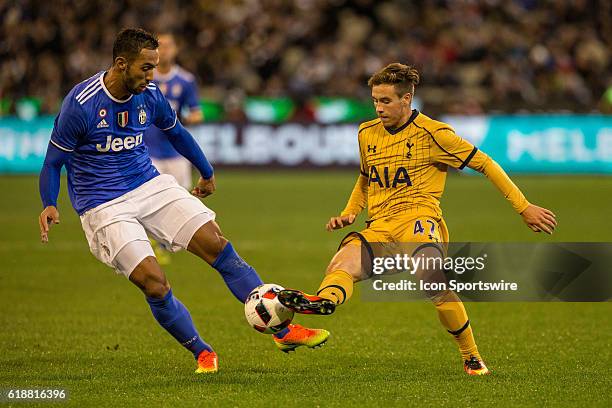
[[356, 203], [538, 219], [49, 185], [452, 150]]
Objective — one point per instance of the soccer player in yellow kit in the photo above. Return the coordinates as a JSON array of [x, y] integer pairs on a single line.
[[404, 159]]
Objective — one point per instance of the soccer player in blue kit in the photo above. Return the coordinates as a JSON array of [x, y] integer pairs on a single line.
[[120, 196]]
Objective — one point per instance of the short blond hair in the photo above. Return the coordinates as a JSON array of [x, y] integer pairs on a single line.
[[404, 77]]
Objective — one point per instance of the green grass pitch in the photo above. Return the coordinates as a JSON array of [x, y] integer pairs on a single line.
[[67, 321]]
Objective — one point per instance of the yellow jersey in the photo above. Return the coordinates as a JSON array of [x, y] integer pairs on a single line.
[[403, 171]]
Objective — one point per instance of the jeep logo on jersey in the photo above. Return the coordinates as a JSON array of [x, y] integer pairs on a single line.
[[122, 118], [142, 116], [117, 144]]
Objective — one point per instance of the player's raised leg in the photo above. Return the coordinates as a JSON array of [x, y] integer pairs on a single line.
[[241, 278], [342, 273]]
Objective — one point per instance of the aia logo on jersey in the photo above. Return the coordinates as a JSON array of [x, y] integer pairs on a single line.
[[386, 180], [122, 118]]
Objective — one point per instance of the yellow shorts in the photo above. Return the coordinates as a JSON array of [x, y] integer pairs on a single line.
[[402, 229]]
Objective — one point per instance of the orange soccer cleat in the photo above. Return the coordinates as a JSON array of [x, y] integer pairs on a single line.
[[301, 336], [208, 362]]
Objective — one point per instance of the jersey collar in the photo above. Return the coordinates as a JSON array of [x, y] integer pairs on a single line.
[[109, 94], [412, 117]]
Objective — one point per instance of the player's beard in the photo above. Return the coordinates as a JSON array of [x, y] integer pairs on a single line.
[[131, 84]]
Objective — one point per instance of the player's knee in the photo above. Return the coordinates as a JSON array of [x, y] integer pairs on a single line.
[[149, 277], [348, 266], [348, 259], [208, 242], [217, 246], [157, 290], [213, 246], [431, 272]]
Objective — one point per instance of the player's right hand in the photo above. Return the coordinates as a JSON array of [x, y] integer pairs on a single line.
[[47, 217], [205, 187], [342, 221]]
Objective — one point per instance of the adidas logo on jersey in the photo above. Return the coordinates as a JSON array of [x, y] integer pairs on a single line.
[[102, 124]]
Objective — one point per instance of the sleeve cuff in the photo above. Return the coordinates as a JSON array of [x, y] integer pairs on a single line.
[[60, 146], [174, 124], [523, 207]]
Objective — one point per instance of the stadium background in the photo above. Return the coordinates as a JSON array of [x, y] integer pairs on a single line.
[[283, 85]]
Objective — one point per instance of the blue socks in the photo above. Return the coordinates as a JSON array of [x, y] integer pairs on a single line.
[[173, 316], [239, 276]]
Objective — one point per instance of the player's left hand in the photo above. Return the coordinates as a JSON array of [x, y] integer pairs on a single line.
[[205, 187], [539, 219]]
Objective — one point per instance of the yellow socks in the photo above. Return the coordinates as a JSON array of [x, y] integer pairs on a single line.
[[453, 317], [336, 286]]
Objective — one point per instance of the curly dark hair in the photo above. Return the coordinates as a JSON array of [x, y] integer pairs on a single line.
[[130, 41]]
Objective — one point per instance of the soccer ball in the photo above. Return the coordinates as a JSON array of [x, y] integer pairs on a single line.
[[264, 312]]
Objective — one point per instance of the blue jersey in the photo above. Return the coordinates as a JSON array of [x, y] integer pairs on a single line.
[[179, 88], [105, 136]]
